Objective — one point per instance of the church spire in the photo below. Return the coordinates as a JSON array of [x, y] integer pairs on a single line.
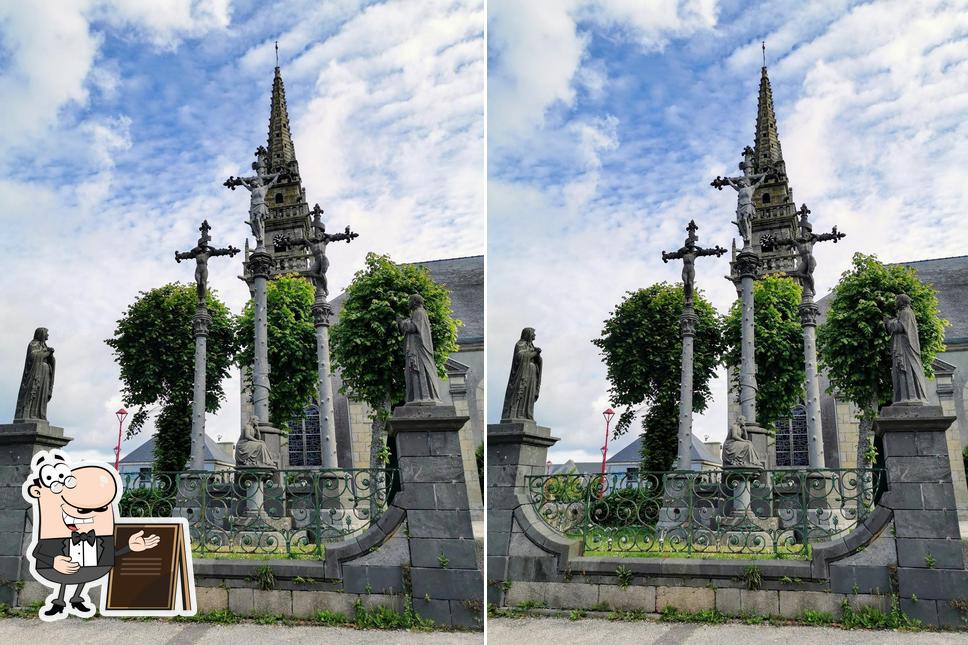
[[767, 143], [281, 151]]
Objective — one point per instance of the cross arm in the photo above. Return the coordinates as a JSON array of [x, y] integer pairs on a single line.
[[231, 251], [186, 255], [833, 236], [716, 250]]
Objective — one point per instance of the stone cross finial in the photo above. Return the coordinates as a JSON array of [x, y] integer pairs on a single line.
[[688, 254], [201, 253]]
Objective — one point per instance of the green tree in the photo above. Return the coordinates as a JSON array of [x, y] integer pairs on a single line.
[[853, 346], [778, 338], [154, 345], [366, 345], [291, 344], [641, 345]]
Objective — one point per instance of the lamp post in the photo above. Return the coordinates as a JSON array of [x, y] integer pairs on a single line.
[[608, 414], [120, 414]]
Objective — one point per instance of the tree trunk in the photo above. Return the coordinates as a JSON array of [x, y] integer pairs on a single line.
[[378, 431]]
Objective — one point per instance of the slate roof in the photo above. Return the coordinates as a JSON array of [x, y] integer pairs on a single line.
[[949, 277], [464, 279], [145, 452], [632, 453]]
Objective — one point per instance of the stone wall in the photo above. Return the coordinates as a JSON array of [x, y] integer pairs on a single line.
[[908, 550], [422, 547]]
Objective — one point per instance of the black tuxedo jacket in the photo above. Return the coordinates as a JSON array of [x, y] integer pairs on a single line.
[[49, 548]]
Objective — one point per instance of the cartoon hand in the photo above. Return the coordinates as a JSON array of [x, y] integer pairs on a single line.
[[138, 542], [63, 564]]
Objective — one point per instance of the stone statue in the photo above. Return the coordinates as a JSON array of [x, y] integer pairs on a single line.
[[420, 371], [738, 450], [907, 371], [804, 243], [745, 185], [258, 186], [251, 450], [201, 253], [524, 384], [37, 383], [317, 246], [688, 253]]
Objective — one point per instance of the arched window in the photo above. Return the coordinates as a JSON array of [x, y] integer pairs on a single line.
[[278, 198], [304, 439], [766, 198], [791, 438]]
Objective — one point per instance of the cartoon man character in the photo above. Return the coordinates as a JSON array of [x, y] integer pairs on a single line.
[[74, 516]]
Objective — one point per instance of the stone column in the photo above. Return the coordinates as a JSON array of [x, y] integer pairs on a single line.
[[808, 318], [19, 442], [688, 324], [327, 421], [200, 325], [445, 571], [260, 264], [515, 450], [747, 264], [930, 562]]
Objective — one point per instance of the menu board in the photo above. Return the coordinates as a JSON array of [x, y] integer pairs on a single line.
[[155, 580]]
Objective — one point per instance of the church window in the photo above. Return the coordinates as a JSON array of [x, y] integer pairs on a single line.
[[766, 198], [791, 438], [305, 445], [278, 198]]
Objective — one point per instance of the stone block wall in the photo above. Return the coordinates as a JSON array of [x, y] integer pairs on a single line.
[[908, 550]]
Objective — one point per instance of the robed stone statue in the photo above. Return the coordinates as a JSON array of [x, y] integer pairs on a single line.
[[907, 371], [251, 450], [38, 379], [738, 450], [420, 371], [524, 384]]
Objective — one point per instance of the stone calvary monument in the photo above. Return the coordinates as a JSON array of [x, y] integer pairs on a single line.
[[886, 539], [201, 254]]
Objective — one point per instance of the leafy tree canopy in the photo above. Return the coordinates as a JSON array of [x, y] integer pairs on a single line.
[[778, 338], [154, 344], [292, 346], [366, 345], [641, 345], [853, 346]]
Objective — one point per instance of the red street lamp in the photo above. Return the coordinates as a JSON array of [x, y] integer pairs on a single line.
[[608, 414], [120, 414]]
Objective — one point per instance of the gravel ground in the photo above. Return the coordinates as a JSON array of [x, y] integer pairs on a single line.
[[107, 630], [515, 631]]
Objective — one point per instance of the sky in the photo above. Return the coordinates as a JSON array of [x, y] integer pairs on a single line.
[[608, 119], [121, 119]]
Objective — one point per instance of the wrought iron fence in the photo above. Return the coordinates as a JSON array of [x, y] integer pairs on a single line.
[[263, 513], [711, 513]]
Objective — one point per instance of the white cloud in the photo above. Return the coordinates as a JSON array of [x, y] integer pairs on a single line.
[[870, 103]]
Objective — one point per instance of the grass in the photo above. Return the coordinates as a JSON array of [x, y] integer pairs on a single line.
[[711, 553], [709, 616], [295, 552]]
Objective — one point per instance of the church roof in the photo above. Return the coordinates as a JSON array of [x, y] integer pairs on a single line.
[[464, 279], [279, 142], [949, 278], [767, 144], [145, 452]]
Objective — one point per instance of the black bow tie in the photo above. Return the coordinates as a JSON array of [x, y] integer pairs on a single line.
[[86, 536]]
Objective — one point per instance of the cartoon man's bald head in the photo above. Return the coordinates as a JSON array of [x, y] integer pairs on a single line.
[[72, 499]]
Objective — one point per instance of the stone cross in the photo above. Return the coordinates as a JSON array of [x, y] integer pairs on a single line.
[[808, 318], [201, 253], [745, 185], [316, 243], [258, 186], [688, 254]]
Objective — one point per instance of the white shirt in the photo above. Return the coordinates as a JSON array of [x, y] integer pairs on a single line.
[[83, 553]]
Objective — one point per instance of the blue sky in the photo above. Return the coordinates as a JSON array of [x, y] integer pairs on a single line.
[[122, 118], [608, 119]]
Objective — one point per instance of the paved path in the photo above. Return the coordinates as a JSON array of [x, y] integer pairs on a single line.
[[514, 631], [151, 632]]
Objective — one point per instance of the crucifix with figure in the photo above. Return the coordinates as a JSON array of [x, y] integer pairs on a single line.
[[804, 244], [201, 253], [316, 243], [688, 254]]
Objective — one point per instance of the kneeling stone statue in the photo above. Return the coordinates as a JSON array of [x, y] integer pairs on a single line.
[[251, 450], [738, 450]]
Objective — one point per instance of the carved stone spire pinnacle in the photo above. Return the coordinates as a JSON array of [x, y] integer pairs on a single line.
[[281, 151], [767, 143]]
